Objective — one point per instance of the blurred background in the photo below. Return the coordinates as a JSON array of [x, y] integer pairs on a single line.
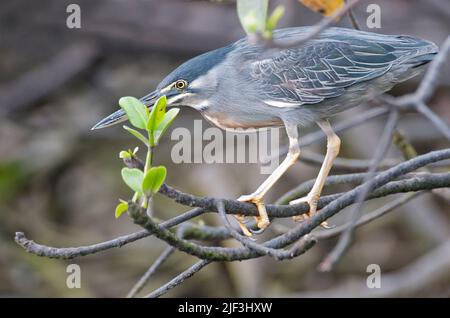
[[60, 181]]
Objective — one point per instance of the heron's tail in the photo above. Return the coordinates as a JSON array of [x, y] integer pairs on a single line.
[[416, 53], [422, 52], [423, 59]]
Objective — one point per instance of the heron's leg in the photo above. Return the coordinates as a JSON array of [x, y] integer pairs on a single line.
[[257, 196], [333, 145]]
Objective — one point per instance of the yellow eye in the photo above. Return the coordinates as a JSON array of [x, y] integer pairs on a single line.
[[180, 84]]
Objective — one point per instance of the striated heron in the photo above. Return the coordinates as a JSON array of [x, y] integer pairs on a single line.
[[247, 85]]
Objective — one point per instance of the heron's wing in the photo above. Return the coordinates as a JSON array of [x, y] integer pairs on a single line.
[[319, 70]]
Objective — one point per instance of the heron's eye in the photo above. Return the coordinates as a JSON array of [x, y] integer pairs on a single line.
[[180, 84]]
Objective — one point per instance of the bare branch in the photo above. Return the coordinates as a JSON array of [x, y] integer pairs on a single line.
[[278, 211], [435, 119], [231, 254], [150, 272], [350, 196], [306, 242], [369, 216], [428, 84], [417, 182], [343, 164], [353, 19], [179, 279], [73, 252], [315, 30]]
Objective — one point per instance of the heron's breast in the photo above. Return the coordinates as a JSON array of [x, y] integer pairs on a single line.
[[225, 121]]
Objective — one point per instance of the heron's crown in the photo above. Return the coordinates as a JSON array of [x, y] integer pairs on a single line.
[[197, 66]]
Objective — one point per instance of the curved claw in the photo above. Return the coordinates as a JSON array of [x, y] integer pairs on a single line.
[[326, 226], [262, 221], [247, 230], [312, 202], [261, 230], [241, 221]]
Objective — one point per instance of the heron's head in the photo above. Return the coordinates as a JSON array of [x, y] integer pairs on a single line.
[[191, 84]]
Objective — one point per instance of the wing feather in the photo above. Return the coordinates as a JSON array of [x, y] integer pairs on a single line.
[[320, 70], [323, 67]]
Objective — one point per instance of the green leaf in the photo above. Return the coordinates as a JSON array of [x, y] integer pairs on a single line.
[[157, 113], [156, 116], [154, 179], [169, 117], [124, 154], [252, 15], [137, 134], [273, 20], [133, 178], [136, 111], [121, 208]]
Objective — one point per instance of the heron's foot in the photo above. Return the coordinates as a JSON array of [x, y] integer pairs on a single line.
[[312, 201], [262, 221], [241, 221]]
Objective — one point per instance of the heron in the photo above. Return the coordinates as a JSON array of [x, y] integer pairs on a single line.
[[251, 85]]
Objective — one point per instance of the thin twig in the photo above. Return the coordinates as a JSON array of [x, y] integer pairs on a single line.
[[343, 164], [435, 119], [429, 83], [314, 31], [181, 278], [417, 183], [73, 252], [388, 207], [150, 272], [303, 188], [211, 233], [277, 211], [353, 19], [280, 254], [408, 151], [336, 205]]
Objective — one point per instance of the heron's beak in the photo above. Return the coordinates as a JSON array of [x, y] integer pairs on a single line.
[[120, 116]]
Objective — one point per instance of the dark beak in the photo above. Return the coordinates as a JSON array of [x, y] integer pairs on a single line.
[[120, 116]]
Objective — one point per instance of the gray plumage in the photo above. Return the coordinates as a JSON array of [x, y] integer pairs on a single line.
[[336, 71], [244, 85], [250, 86]]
